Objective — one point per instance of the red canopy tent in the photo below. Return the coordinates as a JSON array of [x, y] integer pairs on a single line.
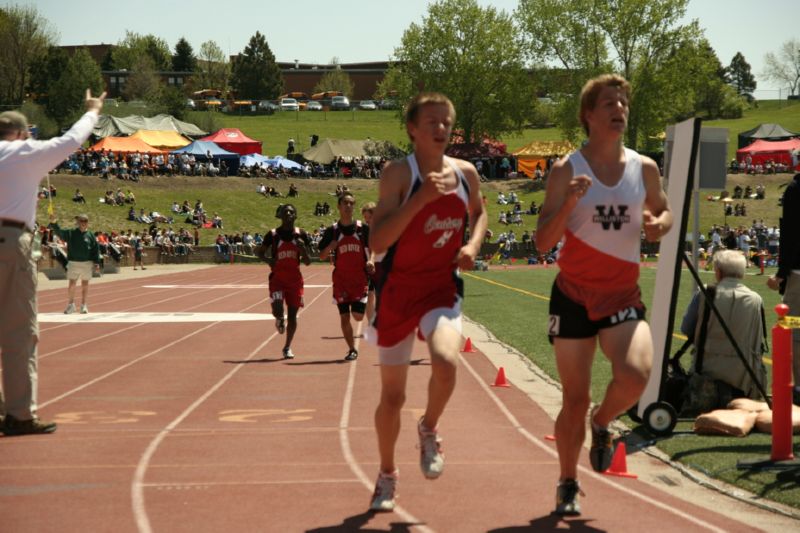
[[762, 151], [233, 140]]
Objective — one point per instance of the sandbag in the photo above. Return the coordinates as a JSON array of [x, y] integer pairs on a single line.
[[731, 422], [747, 404], [764, 421]]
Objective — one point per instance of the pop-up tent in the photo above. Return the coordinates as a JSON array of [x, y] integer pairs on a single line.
[[234, 140], [204, 150], [108, 126], [477, 150], [783, 152], [767, 132], [277, 161], [329, 149], [537, 152], [164, 139], [124, 145]]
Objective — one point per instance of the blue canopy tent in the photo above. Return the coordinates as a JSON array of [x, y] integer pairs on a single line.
[[285, 163], [250, 160], [201, 150]]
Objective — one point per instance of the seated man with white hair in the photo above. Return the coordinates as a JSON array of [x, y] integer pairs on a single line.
[[742, 310]]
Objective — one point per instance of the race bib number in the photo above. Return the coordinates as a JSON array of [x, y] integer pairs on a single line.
[[554, 325], [277, 295]]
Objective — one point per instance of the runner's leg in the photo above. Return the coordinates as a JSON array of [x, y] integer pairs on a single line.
[[443, 344], [574, 361], [387, 415], [629, 347]]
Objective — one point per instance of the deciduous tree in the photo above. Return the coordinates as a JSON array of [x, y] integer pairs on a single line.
[[335, 80], [213, 69], [66, 97], [24, 37], [474, 56], [134, 46], [784, 67]]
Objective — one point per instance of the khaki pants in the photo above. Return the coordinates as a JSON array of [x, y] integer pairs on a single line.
[[19, 329]]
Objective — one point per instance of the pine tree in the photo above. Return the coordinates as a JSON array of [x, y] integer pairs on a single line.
[[256, 75], [184, 59], [740, 77]]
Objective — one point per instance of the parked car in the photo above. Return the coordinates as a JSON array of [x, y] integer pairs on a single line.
[[367, 105], [289, 104], [388, 103], [340, 103], [268, 106], [313, 105]]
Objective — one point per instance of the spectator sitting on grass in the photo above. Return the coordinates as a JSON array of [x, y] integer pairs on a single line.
[[78, 197], [216, 221], [130, 198], [132, 214], [176, 208]]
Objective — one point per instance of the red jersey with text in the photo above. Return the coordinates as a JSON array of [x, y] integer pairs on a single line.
[[285, 276], [601, 247], [420, 269], [350, 260]]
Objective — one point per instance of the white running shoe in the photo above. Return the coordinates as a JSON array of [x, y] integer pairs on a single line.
[[287, 353], [385, 493], [431, 459], [84, 309], [70, 309]]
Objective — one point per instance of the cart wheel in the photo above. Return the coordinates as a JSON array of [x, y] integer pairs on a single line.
[[660, 418], [633, 414]]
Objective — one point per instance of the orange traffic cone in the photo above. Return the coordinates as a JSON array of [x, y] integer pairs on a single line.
[[468, 348], [500, 380], [619, 463]]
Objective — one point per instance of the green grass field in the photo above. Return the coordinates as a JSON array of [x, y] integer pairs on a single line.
[[513, 305]]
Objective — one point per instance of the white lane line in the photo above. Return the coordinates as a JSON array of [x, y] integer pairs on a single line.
[[137, 485], [157, 317], [347, 451], [525, 433]]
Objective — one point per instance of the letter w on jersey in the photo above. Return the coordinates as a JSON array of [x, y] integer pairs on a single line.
[[611, 217]]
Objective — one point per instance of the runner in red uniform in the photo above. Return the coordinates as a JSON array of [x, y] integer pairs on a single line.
[[419, 222], [367, 211], [347, 240], [283, 249]]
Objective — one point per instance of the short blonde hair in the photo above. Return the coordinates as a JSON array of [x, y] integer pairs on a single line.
[[730, 263], [369, 206], [591, 90], [12, 122], [427, 98]]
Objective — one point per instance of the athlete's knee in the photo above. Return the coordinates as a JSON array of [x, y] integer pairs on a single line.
[[632, 378], [358, 317], [576, 401], [393, 400]]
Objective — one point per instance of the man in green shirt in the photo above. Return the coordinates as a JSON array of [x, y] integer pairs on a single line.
[[83, 256]]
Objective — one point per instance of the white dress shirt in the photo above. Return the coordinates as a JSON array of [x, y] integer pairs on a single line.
[[23, 164]]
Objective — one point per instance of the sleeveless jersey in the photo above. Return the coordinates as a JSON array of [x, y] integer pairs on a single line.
[[425, 254], [350, 257], [287, 257], [602, 238]]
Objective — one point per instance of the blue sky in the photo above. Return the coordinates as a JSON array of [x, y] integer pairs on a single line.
[[314, 31]]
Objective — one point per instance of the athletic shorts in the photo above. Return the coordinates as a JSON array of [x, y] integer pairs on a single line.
[[291, 293], [400, 353], [345, 294], [357, 308], [402, 307], [80, 270], [570, 319]]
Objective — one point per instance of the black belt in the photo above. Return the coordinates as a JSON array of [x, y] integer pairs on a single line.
[[6, 223]]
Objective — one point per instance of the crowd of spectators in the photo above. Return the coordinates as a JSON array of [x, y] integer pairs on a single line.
[[746, 166]]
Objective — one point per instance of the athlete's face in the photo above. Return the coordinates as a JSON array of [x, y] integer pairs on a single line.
[[346, 206], [288, 216], [610, 112], [433, 126]]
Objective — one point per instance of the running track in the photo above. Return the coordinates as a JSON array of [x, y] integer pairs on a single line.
[[201, 426]]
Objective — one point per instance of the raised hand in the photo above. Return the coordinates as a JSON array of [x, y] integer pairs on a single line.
[[94, 103]]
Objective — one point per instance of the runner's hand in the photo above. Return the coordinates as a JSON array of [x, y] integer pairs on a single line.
[[94, 103], [466, 257], [433, 186], [774, 282], [653, 228]]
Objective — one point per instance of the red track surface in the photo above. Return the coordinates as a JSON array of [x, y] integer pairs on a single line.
[[203, 427]]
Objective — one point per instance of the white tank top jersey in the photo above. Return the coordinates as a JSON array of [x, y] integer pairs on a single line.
[[602, 238]]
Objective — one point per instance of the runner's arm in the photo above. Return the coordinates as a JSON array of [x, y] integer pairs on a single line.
[[305, 245], [478, 219], [562, 194], [326, 244], [657, 215]]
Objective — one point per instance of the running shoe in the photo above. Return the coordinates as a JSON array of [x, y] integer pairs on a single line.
[[280, 323], [84, 309], [70, 309], [567, 498], [287, 353], [431, 459], [352, 355], [385, 492], [12, 427], [602, 450]]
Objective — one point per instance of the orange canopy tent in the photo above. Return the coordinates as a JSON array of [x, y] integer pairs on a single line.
[[537, 152], [166, 140], [124, 144]]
